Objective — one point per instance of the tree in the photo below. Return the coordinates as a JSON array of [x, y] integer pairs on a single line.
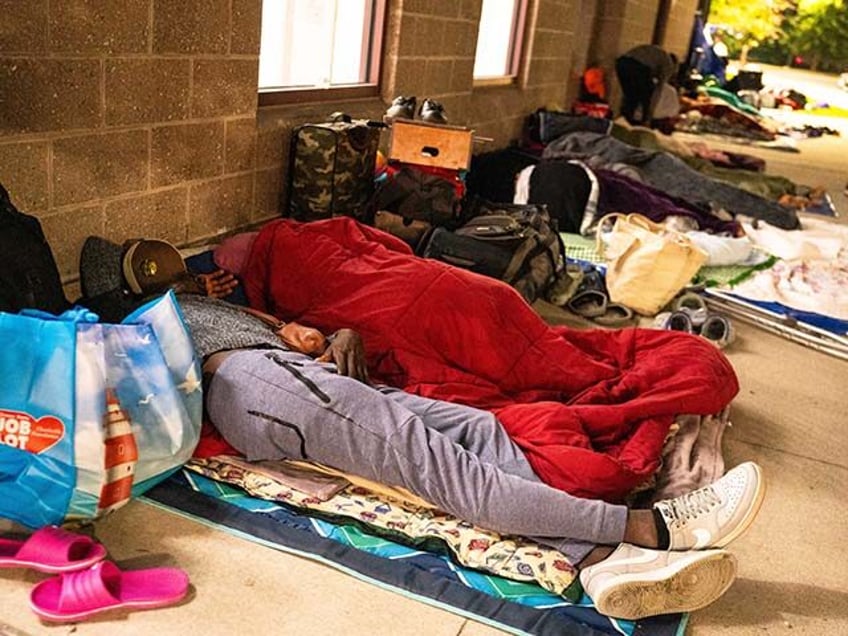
[[818, 32], [752, 22], [755, 20]]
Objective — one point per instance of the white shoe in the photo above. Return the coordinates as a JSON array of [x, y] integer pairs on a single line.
[[636, 582], [715, 515]]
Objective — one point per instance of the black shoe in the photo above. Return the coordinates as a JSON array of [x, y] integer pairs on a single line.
[[432, 112], [402, 108]]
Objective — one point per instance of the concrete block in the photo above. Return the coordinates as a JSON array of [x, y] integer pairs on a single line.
[[240, 145], [462, 75], [219, 205], [429, 37], [247, 18], [185, 152], [49, 94], [409, 76], [437, 79], [67, 230], [23, 28], [455, 38], [272, 146], [23, 172], [99, 26], [97, 166], [147, 90], [224, 87], [407, 43], [162, 215], [470, 9], [269, 193], [191, 26]]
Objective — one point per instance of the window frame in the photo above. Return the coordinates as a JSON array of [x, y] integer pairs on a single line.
[[516, 51], [341, 92]]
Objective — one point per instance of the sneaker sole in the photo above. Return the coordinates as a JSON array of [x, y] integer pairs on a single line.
[[753, 511], [690, 588]]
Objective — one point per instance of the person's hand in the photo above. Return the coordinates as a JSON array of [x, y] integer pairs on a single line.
[[348, 352], [303, 339], [218, 284]]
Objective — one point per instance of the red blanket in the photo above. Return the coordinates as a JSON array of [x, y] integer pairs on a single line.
[[590, 408]]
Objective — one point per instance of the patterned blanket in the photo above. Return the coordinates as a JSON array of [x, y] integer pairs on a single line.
[[509, 557], [427, 576]]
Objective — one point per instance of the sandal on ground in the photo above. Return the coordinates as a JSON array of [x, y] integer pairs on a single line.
[[692, 304], [77, 596], [589, 303], [616, 315], [718, 330], [53, 550], [592, 279], [674, 321]]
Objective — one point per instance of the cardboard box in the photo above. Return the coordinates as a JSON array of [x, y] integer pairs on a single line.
[[425, 144]]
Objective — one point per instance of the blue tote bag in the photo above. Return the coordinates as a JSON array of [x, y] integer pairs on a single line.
[[92, 414]]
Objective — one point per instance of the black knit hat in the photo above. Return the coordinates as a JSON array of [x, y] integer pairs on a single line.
[[100, 267]]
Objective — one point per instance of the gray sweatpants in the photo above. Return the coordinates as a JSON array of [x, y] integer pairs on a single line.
[[274, 404]]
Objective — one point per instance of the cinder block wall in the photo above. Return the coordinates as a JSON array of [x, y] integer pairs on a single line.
[[139, 118], [133, 118], [622, 24], [678, 29], [548, 76]]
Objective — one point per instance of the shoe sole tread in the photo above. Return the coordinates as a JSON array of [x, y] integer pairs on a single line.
[[692, 587]]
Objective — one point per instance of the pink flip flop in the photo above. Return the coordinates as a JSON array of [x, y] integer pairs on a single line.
[[52, 550], [76, 596]]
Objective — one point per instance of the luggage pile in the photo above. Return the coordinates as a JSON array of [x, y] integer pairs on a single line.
[[420, 196]]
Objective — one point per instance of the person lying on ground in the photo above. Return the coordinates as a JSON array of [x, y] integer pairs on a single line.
[[590, 408], [271, 401]]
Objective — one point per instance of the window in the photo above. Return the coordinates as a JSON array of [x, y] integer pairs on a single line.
[[311, 46], [499, 39]]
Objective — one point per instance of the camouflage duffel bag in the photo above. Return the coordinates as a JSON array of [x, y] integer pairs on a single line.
[[331, 169]]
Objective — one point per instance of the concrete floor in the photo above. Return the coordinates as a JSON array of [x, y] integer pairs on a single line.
[[793, 564]]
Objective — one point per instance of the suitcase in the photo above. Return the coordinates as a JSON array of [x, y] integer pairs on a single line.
[[331, 168]]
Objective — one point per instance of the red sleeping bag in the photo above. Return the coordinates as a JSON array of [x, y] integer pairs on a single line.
[[590, 408]]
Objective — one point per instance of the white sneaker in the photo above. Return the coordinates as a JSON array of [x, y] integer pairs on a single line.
[[715, 515], [636, 582]]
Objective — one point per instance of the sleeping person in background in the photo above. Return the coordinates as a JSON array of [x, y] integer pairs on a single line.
[[578, 196]]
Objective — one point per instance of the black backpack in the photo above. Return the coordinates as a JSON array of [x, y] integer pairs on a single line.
[[516, 243], [29, 277]]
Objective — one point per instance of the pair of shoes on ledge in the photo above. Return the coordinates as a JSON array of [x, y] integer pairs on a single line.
[[402, 107]]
